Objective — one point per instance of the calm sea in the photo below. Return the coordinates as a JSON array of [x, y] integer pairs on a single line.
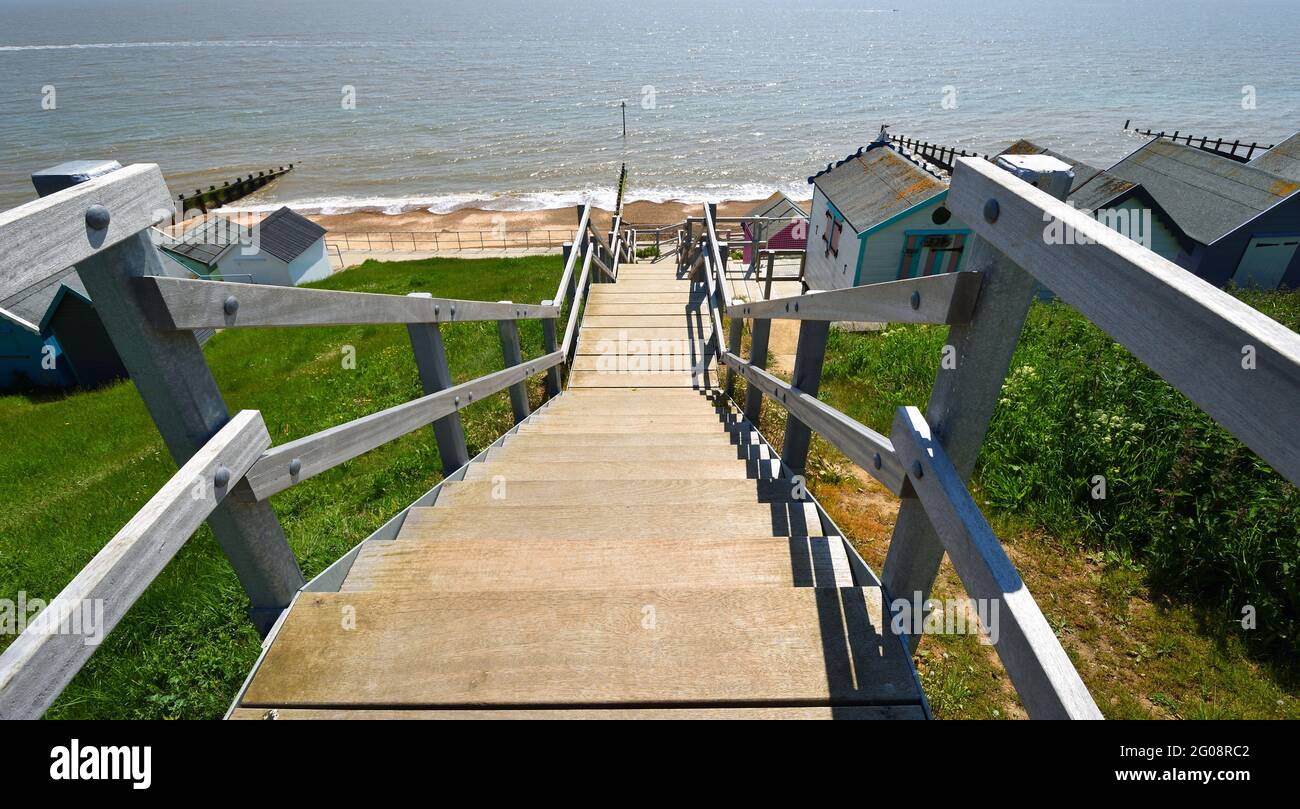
[[516, 105]]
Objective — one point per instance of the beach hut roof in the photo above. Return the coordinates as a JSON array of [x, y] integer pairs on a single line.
[[287, 235], [1282, 160], [875, 183], [777, 206], [31, 308], [1207, 195]]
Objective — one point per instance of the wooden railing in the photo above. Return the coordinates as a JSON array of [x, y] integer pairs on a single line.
[[1192, 334], [102, 227]]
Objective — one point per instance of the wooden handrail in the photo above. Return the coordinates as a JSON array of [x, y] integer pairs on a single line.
[[1045, 679], [571, 262], [938, 299], [40, 663], [1237, 364], [571, 328], [182, 304], [50, 234], [289, 464]]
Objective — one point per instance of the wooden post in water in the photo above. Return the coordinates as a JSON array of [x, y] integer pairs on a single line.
[[435, 375], [964, 397], [183, 399]]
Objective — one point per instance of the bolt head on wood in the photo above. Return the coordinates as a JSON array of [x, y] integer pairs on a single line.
[[991, 211], [877, 461], [916, 300], [917, 470], [97, 217], [231, 305], [295, 467], [222, 477]]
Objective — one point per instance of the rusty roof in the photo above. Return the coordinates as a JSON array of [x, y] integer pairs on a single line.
[[1282, 160], [875, 183]]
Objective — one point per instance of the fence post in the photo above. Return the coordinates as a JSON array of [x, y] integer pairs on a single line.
[[435, 375], [550, 346], [509, 331], [963, 399], [183, 399], [807, 377], [758, 334], [735, 332]]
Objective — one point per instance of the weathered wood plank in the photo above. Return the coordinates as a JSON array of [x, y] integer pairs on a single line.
[[435, 375], [1039, 668], [456, 564], [942, 299], [185, 303], [666, 492], [296, 461], [723, 647], [863, 445], [1239, 366], [624, 470], [38, 665], [50, 234], [868, 712]]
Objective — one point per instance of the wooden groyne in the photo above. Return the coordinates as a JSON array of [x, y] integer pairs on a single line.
[[1217, 146], [231, 190]]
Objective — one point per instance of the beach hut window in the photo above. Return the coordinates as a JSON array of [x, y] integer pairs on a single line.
[[835, 238]]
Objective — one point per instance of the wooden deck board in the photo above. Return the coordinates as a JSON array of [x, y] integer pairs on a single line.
[[713, 647], [854, 712], [472, 565], [676, 491]]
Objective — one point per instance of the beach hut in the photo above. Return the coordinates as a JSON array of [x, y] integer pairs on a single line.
[[790, 235], [285, 249], [50, 337], [1282, 160], [1234, 221], [879, 215]]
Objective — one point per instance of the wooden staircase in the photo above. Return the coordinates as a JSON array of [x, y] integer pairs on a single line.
[[631, 550]]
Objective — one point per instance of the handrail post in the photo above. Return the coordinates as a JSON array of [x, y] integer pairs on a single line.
[[735, 332], [435, 375], [183, 399], [509, 331], [807, 378], [573, 278], [962, 402], [758, 337], [550, 347]]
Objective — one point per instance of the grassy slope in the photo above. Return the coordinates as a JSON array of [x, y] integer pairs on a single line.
[[1142, 587], [75, 468]]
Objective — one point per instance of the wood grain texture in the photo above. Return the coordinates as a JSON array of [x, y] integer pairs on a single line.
[[720, 647], [48, 235], [186, 303], [458, 565], [942, 299], [326, 449], [598, 379], [670, 491], [611, 519], [623, 470], [682, 453], [1042, 673], [1189, 332], [870, 712], [36, 667], [857, 441]]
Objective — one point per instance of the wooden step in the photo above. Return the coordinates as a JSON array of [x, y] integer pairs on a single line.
[[623, 470], [843, 713], [643, 286], [614, 426], [683, 299], [684, 454], [602, 309], [715, 647], [689, 335], [694, 320], [586, 492], [468, 565], [598, 379], [611, 520], [633, 402], [569, 439]]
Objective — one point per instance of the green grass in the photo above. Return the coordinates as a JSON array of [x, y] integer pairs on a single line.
[[74, 468], [1205, 520]]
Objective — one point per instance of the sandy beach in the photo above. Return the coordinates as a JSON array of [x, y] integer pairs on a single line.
[[475, 219]]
